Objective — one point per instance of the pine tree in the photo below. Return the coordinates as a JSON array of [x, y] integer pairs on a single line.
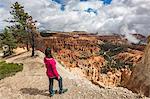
[[23, 26], [32, 31], [7, 38], [19, 20]]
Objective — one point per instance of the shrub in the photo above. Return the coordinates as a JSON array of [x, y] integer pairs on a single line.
[[112, 49], [108, 51], [9, 69]]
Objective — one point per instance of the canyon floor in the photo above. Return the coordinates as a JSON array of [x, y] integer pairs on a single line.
[[32, 83]]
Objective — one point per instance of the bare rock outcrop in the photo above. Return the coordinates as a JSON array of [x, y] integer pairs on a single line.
[[140, 78], [131, 56]]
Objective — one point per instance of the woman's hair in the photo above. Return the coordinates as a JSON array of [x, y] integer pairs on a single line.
[[48, 53]]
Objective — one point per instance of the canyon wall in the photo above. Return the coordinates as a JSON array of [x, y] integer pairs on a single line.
[[83, 51], [140, 78]]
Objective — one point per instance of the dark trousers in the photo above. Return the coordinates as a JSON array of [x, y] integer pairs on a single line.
[[51, 81]]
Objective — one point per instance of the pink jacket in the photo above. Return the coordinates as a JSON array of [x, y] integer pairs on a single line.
[[51, 67]]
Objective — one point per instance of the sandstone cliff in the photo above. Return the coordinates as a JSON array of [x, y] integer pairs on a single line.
[[140, 78]]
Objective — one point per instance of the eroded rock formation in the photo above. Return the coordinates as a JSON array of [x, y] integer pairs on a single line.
[[82, 51], [130, 56], [140, 78]]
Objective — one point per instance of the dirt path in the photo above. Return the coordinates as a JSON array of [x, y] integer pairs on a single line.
[[32, 83]]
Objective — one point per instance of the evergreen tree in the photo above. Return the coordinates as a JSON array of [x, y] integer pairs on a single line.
[[32, 31], [23, 26], [7, 38], [19, 20]]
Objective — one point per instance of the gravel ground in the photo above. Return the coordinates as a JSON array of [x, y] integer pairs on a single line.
[[32, 83]]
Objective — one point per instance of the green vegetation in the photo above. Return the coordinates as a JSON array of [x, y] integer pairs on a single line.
[[23, 29], [9, 69], [108, 51], [112, 49], [7, 38], [24, 25]]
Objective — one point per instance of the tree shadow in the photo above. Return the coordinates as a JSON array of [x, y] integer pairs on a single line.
[[14, 55], [34, 91]]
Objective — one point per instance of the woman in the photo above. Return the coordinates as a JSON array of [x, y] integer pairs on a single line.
[[52, 72]]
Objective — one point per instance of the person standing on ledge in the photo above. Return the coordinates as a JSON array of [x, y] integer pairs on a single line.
[[52, 73]]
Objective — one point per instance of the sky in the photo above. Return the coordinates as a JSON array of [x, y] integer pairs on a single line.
[[94, 16]]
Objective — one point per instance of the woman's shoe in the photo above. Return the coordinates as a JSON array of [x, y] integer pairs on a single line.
[[63, 91], [54, 92]]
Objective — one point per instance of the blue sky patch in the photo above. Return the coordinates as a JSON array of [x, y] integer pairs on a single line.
[[1, 5], [89, 10], [83, 0], [62, 7], [61, 2], [106, 1]]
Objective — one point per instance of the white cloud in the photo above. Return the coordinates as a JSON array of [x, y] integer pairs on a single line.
[[134, 15]]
